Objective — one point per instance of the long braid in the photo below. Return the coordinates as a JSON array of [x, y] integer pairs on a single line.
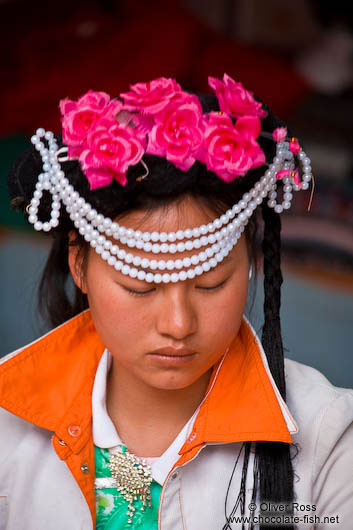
[[274, 462]]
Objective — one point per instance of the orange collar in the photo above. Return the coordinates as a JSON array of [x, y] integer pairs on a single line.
[[49, 383]]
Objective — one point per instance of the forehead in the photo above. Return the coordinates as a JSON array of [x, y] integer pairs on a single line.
[[178, 215]]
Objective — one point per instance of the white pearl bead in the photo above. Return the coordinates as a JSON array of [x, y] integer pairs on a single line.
[[133, 272], [141, 275], [183, 275], [197, 243], [190, 274], [170, 264]]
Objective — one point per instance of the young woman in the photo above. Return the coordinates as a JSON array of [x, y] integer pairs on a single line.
[[152, 404]]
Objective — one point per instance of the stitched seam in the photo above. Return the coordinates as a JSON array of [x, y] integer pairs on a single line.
[[181, 508]]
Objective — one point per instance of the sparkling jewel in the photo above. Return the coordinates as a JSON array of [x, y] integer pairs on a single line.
[[132, 478]]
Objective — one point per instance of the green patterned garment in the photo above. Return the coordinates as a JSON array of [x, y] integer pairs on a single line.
[[111, 507]]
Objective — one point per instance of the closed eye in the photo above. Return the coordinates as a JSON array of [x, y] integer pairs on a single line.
[[135, 292], [211, 288]]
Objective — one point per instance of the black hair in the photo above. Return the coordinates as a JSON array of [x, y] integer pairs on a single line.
[[165, 185]]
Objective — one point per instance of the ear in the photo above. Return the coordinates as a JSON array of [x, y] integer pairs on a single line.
[[75, 263]]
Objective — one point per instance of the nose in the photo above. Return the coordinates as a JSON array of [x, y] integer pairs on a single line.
[[177, 318]]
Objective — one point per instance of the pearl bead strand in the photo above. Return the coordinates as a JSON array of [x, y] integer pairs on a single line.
[[219, 236]]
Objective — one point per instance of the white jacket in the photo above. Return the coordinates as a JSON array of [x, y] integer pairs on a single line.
[[46, 449]]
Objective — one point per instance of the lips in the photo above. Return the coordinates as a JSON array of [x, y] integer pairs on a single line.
[[173, 352]]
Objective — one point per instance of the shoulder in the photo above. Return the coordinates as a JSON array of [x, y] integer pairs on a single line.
[[309, 392], [16, 433], [324, 415]]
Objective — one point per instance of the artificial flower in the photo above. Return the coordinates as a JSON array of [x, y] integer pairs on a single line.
[[282, 173], [280, 134], [294, 146], [79, 116], [234, 100], [178, 131], [231, 150], [111, 149], [151, 97]]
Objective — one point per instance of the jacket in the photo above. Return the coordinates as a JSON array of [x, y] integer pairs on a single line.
[[47, 452]]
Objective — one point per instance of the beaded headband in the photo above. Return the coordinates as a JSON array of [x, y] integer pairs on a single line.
[[107, 137]]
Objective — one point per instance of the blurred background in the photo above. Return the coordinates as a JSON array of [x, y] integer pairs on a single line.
[[296, 56]]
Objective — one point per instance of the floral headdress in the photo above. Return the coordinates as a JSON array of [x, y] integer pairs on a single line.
[[108, 136]]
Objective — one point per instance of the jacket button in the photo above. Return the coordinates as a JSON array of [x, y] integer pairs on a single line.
[[175, 475], [192, 437], [74, 430], [85, 469]]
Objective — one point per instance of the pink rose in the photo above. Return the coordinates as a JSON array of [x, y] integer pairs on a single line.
[[111, 149], [231, 150], [79, 116], [234, 100], [177, 134], [280, 134], [151, 97]]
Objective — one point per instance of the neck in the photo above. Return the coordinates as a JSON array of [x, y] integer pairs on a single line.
[[148, 419]]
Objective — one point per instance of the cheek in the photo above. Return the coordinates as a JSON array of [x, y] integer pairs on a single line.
[[226, 312], [113, 313]]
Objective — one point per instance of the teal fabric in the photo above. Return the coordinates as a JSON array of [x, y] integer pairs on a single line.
[[111, 507]]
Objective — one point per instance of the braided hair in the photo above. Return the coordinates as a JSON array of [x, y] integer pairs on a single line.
[[166, 185]]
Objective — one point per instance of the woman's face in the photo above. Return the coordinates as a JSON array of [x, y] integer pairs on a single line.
[[196, 320]]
